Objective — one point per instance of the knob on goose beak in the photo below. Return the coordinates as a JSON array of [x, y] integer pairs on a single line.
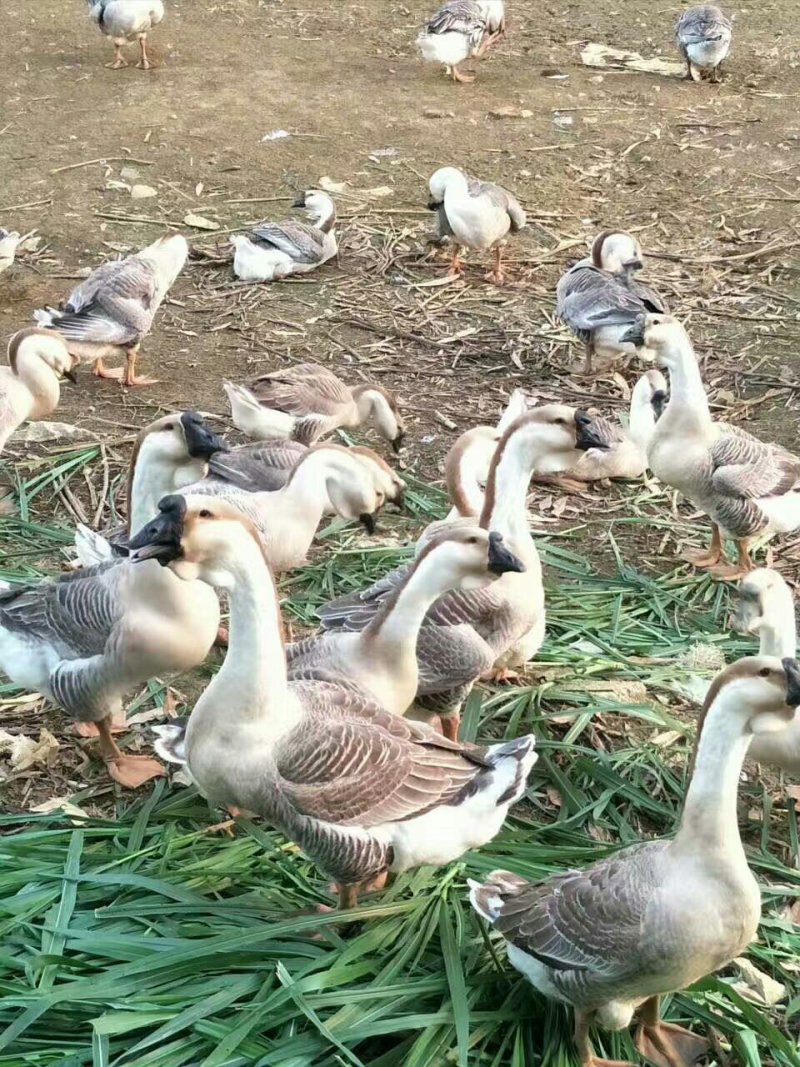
[[161, 538], [634, 335], [501, 559], [792, 669], [201, 441]]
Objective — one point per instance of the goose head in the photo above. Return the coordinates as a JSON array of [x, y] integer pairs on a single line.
[[763, 691], [201, 538], [378, 407], [45, 346], [353, 485], [317, 203], [179, 437], [389, 486], [764, 599], [550, 431], [617, 252], [659, 337], [468, 557], [440, 180]]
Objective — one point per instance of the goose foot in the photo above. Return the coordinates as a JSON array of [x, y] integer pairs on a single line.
[[709, 557], [119, 61], [496, 277], [133, 771], [669, 1045], [89, 729], [569, 485], [456, 266], [144, 63], [226, 827], [459, 76], [730, 572], [102, 371], [132, 379], [450, 725], [348, 894], [583, 1021], [502, 676]]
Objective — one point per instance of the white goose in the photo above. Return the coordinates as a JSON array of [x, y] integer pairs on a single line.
[[274, 250], [113, 310], [461, 29], [10, 241], [30, 384], [125, 21]]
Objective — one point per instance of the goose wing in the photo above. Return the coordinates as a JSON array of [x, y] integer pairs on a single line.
[[502, 199], [354, 764], [587, 298], [701, 24], [744, 467], [581, 924], [305, 389], [260, 467], [303, 243], [458, 16], [652, 301]]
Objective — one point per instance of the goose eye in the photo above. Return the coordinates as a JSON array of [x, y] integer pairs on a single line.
[[206, 514], [473, 540], [560, 422], [765, 672], [170, 426]]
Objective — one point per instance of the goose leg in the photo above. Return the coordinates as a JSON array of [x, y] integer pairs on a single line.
[[119, 59], [583, 1020], [131, 378], [459, 76], [456, 266], [496, 275], [129, 771], [711, 556], [588, 367], [734, 571], [666, 1044], [89, 729], [716, 75], [144, 63], [102, 371], [501, 676], [450, 725]]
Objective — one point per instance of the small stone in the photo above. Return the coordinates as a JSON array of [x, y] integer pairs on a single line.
[[143, 192]]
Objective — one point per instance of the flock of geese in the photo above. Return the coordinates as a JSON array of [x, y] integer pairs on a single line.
[[347, 741]]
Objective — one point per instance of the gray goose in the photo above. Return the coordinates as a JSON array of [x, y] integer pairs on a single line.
[[704, 40]]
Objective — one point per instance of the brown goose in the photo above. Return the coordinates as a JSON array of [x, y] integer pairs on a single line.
[[361, 791]]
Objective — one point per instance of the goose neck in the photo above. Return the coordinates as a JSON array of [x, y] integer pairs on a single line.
[[41, 382], [688, 402], [777, 631]]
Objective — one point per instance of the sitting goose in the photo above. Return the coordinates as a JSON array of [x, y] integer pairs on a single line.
[[746, 487], [362, 792], [704, 40], [461, 29], [502, 626], [113, 310], [766, 607], [599, 298], [30, 384], [611, 940], [274, 250], [381, 659], [126, 20], [477, 214], [9, 242], [307, 401]]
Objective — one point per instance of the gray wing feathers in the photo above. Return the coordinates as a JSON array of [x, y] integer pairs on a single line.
[[305, 389], [703, 23], [745, 467], [587, 298], [261, 467], [303, 243], [506, 202], [458, 16], [115, 304]]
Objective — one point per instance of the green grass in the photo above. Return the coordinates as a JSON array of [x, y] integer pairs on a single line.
[[141, 940]]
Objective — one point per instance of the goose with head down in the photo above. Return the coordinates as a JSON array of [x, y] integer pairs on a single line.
[[361, 791], [307, 401], [476, 214], [612, 939], [704, 40], [745, 486], [30, 386], [496, 629], [765, 607], [125, 21], [459, 30], [111, 312], [599, 297], [274, 250]]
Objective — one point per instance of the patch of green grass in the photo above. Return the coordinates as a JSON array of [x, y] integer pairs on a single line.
[[142, 940]]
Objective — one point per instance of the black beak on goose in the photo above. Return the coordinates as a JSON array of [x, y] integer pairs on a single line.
[[586, 435], [397, 441], [501, 559], [632, 264], [792, 669], [658, 402], [161, 538], [300, 200], [634, 335], [201, 442], [368, 522], [71, 376]]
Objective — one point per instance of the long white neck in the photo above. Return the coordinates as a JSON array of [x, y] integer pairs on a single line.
[[456, 187], [709, 823], [41, 381], [252, 681], [777, 632], [642, 419], [371, 406], [292, 514], [688, 404], [324, 214], [154, 477]]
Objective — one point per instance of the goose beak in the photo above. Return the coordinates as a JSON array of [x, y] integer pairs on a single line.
[[501, 559], [368, 522], [658, 402], [632, 264], [586, 435], [434, 205], [161, 538], [397, 441], [634, 335], [201, 441], [300, 200], [792, 669], [71, 376]]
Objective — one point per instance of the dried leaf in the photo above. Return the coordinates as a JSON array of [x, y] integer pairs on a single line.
[[199, 222], [379, 192], [793, 792], [757, 986], [143, 192], [330, 186], [554, 796], [25, 752], [59, 804]]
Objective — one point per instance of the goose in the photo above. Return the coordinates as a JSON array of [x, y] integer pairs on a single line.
[[274, 250], [478, 215], [704, 40], [124, 20], [489, 631], [307, 401], [745, 486], [599, 298], [30, 384], [624, 452], [381, 659], [360, 791], [170, 453], [113, 310], [461, 29], [766, 607], [466, 470], [612, 939], [86, 638], [10, 240]]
